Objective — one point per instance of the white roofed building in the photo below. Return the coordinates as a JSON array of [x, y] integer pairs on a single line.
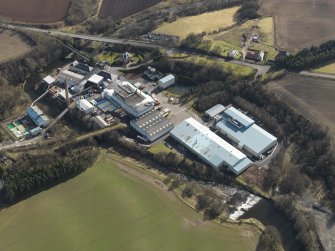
[[71, 78], [211, 148], [85, 106]]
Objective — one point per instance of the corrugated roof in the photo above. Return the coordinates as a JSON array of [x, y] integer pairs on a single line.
[[215, 110], [201, 140], [167, 78], [239, 116], [85, 105], [253, 137]]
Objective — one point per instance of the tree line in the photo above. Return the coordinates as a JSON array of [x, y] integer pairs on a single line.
[[307, 58], [32, 173]]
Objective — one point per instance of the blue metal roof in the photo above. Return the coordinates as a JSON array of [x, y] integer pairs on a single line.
[[239, 116], [209, 146], [253, 138]]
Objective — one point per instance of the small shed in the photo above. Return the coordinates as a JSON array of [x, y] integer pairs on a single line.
[[214, 111], [49, 80]]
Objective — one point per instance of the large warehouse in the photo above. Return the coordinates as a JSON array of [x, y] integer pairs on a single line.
[[152, 125], [37, 116], [243, 131], [209, 147], [131, 99]]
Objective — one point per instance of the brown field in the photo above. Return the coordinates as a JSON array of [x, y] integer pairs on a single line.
[[12, 46], [313, 97], [301, 23], [118, 9], [34, 11]]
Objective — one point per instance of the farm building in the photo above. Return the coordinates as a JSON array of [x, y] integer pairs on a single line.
[[132, 100], [166, 82], [71, 78], [210, 147], [243, 131], [152, 125], [100, 122], [233, 53], [214, 111], [85, 106], [37, 116]]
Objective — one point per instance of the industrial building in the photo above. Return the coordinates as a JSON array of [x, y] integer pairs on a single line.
[[80, 68], [245, 133], [85, 106], [214, 111], [49, 80], [71, 78], [96, 79], [166, 82], [100, 122], [211, 148], [152, 125], [132, 100], [38, 117]]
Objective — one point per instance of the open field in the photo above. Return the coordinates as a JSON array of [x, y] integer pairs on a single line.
[[235, 69], [12, 46], [301, 23], [313, 97], [206, 22], [114, 207], [118, 9], [34, 11], [326, 69]]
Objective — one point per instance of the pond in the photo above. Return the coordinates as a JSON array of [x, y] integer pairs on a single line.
[[265, 212]]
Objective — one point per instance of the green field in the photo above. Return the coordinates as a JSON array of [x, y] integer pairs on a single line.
[[326, 69], [206, 22], [107, 208]]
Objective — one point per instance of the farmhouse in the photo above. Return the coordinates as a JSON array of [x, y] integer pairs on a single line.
[[37, 116], [211, 148], [152, 125], [245, 133], [132, 100]]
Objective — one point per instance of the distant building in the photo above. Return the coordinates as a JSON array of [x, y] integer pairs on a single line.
[[49, 80], [35, 131], [211, 148], [166, 82], [245, 133], [233, 54], [80, 68], [38, 117], [100, 122], [214, 111], [152, 125], [96, 79], [131, 99], [71, 78], [85, 106]]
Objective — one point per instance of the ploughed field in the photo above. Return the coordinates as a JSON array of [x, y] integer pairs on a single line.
[[13, 46], [313, 97], [301, 23], [114, 207], [118, 9], [34, 11]]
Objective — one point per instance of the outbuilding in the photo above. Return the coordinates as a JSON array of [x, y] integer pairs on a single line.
[[166, 82], [85, 106]]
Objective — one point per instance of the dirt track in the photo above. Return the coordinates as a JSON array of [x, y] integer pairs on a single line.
[[301, 23], [34, 11], [118, 9]]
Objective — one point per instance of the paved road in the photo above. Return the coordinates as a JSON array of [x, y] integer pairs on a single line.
[[87, 37], [317, 75], [260, 68]]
